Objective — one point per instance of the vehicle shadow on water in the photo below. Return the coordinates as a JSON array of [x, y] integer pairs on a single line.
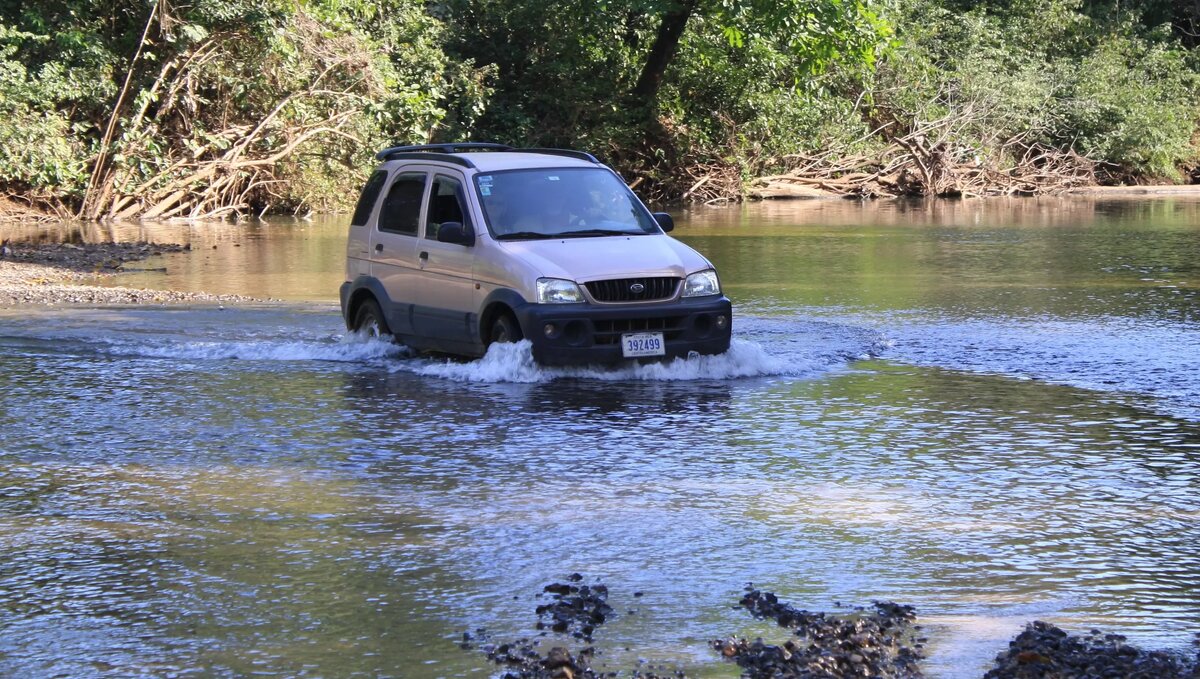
[[426, 398]]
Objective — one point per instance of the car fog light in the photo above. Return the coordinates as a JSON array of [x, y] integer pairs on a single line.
[[722, 321], [549, 330]]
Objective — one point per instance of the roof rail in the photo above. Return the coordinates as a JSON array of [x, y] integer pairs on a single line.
[[414, 152], [580, 155], [461, 161], [442, 148]]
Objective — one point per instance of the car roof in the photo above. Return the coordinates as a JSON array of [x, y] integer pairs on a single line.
[[507, 160], [492, 161]]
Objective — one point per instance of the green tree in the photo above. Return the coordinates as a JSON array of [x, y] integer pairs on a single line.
[[216, 106], [610, 76]]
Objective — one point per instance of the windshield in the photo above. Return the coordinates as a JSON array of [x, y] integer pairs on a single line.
[[560, 203]]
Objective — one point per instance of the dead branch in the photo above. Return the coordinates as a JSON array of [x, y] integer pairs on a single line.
[[927, 158]]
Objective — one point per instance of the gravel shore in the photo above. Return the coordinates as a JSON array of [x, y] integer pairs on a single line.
[[65, 273]]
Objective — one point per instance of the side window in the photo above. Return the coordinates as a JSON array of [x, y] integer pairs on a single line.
[[366, 201], [401, 211], [446, 204]]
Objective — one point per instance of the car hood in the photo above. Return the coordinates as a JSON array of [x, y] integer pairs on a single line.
[[589, 259]]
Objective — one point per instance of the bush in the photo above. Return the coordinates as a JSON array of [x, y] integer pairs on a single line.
[[1132, 104], [38, 148], [1110, 89]]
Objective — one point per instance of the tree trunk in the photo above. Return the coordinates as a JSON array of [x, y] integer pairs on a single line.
[[662, 52]]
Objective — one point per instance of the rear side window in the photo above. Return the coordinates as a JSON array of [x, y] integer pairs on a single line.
[[366, 201], [401, 211], [445, 205]]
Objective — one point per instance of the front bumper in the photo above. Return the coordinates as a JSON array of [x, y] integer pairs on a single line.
[[591, 333]]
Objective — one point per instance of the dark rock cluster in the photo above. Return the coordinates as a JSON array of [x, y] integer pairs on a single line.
[[881, 642], [88, 257], [1044, 651], [877, 643], [522, 660], [576, 609]]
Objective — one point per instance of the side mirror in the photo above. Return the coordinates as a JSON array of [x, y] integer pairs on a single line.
[[457, 233], [665, 221]]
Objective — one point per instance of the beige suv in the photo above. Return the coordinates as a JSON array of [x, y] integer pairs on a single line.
[[455, 246]]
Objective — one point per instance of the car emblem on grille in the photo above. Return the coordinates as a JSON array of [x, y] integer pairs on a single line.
[[637, 288]]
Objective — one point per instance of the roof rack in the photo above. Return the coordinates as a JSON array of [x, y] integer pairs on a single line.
[[580, 155], [415, 152], [393, 152], [461, 161], [396, 152]]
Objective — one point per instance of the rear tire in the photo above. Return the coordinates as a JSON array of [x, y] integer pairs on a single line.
[[369, 320], [505, 329]]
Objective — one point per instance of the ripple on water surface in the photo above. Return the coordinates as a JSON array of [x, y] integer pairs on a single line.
[[244, 490]]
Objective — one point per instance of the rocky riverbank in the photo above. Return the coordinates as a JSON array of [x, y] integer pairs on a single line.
[[48, 274], [881, 642]]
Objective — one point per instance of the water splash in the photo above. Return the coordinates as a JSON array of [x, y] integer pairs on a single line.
[[515, 363], [347, 349], [762, 347]]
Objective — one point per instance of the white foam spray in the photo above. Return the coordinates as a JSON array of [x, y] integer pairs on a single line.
[[344, 349], [514, 363]]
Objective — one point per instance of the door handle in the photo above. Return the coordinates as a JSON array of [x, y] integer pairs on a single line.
[[424, 255], [379, 247]]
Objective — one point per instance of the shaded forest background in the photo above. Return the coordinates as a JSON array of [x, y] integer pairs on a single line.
[[209, 108]]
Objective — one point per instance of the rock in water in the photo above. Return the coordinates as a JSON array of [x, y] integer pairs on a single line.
[[879, 643], [1044, 651]]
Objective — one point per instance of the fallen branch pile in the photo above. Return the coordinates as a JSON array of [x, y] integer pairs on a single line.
[[231, 183], [712, 183], [183, 149], [929, 162]]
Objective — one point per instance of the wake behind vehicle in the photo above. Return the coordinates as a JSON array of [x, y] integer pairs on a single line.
[[456, 246]]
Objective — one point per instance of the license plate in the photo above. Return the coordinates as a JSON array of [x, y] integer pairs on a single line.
[[636, 344]]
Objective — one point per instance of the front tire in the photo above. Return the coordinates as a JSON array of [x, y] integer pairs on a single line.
[[369, 320], [505, 329]]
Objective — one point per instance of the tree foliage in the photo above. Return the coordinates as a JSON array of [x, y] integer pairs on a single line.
[[1058, 73], [215, 81], [118, 106]]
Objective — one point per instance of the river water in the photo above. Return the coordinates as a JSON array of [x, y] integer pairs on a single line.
[[988, 410]]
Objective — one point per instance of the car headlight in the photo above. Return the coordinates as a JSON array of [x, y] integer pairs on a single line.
[[557, 291], [702, 283]]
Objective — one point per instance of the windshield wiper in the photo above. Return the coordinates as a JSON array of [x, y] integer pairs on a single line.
[[525, 235], [600, 232]]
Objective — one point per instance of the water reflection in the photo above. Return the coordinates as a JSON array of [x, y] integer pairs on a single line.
[[1066, 258]]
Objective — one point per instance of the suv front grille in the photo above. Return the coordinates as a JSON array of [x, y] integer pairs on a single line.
[[610, 331], [633, 289]]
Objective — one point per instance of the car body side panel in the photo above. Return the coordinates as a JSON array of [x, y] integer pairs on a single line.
[[496, 269], [358, 243], [394, 268], [358, 252], [445, 283], [394, 264]]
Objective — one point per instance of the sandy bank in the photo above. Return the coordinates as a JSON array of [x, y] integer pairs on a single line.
[[62, 273]]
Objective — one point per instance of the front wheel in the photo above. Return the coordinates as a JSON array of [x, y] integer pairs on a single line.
[[369, 320], [505, 329]]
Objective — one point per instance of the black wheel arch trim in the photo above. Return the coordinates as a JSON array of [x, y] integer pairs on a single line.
[[350, 294], [502, 296]]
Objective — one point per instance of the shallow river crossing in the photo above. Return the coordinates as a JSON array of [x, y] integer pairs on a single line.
[[988, 410]]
